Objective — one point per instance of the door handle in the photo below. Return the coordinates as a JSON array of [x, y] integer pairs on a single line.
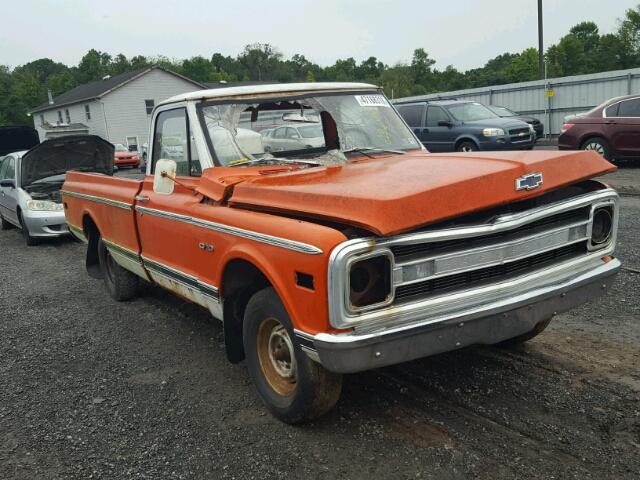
[[142, 198]]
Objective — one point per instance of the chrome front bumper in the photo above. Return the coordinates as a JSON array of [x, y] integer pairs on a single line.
[[487, 324]]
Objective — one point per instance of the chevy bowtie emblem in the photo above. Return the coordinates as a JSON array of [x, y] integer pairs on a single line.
[[529, 181]]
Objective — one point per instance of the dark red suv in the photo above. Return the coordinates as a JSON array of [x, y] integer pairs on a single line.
[[611, 129]]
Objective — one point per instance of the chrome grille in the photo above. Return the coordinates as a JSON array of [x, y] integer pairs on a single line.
[[477, 278]]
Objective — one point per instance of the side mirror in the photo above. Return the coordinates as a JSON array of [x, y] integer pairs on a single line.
[[445, 123], [8, 183], [163, 178]]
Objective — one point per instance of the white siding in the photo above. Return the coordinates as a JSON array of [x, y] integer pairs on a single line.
[[125, 106], [78, 115]]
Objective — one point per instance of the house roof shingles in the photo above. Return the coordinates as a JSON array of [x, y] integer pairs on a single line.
[[93, 90]]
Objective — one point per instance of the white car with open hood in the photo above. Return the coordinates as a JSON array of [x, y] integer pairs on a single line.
[[30, 182]]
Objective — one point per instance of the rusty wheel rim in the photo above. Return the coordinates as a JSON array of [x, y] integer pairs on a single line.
[[277, 357]]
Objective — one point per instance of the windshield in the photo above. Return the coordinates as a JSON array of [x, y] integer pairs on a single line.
[[121, 148], [503, 111], [320, 129], [469, 112]]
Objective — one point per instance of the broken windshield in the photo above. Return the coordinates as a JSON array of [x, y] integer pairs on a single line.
[[320, 129]]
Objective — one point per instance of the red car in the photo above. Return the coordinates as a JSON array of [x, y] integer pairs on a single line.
[[611, 129], [124, 158]]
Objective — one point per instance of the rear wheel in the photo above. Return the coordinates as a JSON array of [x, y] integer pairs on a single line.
[[598, 145], [121, 283], [294, 388], [466, 146], [520, 339], [29, 240]]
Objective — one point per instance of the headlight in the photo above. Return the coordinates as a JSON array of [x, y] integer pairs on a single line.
[[369, 282], [493, 132], [44, 205], [602, 226]]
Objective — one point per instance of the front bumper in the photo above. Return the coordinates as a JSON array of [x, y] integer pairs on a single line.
[[486, 324], [506, 143], [45, 224]]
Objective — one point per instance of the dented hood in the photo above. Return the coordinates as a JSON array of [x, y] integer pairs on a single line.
[[393, 194], [84, 153]]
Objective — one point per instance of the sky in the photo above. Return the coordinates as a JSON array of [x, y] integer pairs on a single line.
[[462, 33]]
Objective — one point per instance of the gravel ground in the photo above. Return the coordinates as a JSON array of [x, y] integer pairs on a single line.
[[92, 388]]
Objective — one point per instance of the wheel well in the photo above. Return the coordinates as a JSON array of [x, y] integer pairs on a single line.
[[466, 139], [92, 233], [240, 280], [592, 136]]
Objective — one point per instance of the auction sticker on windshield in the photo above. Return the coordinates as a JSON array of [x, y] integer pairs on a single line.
[[372, 100]]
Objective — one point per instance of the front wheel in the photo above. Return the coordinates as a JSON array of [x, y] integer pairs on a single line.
[[29, 240], [467, 146], [294, 388], [121, 283]]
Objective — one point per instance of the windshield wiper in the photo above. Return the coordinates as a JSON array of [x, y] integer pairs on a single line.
[[274, 160], [364, 151]]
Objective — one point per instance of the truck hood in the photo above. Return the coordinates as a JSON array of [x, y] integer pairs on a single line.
[[394, 194], [84, 153]]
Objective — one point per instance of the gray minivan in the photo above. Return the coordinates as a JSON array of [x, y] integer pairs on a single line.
[[464, 126]]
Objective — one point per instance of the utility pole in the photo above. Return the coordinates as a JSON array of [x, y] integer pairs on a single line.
[[540, 42]]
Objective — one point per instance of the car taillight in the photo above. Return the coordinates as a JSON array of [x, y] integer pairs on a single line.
[[566, 127]]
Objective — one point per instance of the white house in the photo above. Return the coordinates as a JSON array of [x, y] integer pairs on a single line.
[[116, 108]]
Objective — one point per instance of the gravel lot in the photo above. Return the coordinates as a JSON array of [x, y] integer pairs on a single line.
[[92, 388]]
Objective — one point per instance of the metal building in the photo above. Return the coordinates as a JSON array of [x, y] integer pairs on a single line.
[[553, 99]]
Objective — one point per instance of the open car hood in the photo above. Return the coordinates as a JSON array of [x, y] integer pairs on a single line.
[[393, 194], [84, 153], [16, 139]]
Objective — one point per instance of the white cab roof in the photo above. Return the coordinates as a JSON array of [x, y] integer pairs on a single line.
[[223, 92]]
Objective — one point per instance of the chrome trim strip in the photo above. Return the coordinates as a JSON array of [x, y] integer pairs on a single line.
[[188, 281], [122, 250], [239, 232], [340, 317], [96, 199], [77, 232]]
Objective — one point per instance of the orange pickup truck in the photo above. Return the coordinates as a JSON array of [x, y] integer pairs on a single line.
[[311, 221]]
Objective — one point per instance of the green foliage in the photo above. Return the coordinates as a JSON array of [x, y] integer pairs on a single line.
[[582, 50]]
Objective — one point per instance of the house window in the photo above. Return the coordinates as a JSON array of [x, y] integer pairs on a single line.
[[87, 112], [41, 120], [66, 114], [149, 104], [59, 116]]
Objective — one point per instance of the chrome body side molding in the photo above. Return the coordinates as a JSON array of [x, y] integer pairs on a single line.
[[96, 199], [229, 230]]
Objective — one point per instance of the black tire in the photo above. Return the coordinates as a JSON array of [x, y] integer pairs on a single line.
[[28, 239], [599, 145], [121, 284], [525, 337], [4, 225], [308, 390], [467, 146]]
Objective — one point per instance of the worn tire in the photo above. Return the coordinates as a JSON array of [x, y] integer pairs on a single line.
[[599, 145], [520, 339], [28, 239], [121, 284], [311, 391], [4, 225], [467, 146]]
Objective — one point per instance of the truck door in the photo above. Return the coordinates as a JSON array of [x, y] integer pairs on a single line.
[[168, 239]]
